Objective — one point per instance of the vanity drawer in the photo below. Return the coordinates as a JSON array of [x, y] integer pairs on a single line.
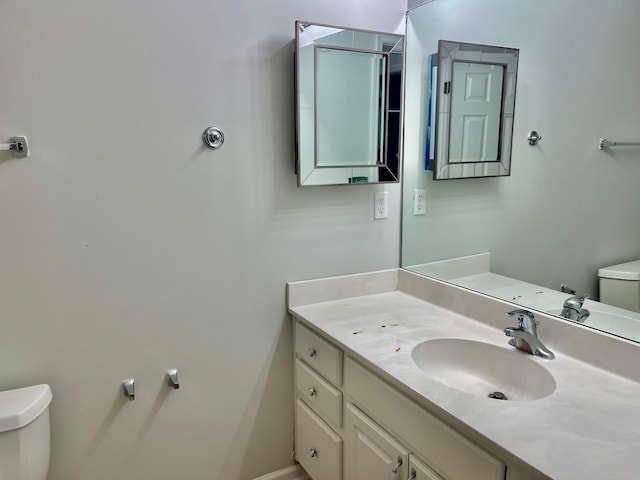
[[320, 354], [318, 393], [318, 448], [443, 448]]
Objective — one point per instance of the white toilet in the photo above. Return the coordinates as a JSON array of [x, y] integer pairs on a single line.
[[620, 285], [24, 433]]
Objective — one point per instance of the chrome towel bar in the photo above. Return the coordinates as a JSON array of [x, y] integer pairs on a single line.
[[604, 143]]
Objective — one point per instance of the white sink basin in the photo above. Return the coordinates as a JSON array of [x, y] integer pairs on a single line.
[[481, 369]]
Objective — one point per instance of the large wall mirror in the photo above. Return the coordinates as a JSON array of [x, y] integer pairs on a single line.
[[348, 105], [569, 209]]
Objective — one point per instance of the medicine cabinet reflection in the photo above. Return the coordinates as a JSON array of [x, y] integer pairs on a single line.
[[475, 98], [349, 86]]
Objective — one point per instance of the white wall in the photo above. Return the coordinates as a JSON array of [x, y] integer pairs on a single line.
[[568, 208], [127, 248]]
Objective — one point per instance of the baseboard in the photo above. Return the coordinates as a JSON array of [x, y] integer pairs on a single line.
[[294, 472]]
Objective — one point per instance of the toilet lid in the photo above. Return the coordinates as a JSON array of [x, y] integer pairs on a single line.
[[623, 271], [20, 407]]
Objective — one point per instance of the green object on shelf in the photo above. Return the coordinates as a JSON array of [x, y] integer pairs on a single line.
[[358, 179]]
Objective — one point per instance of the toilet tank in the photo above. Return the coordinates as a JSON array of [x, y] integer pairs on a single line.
[[620, 285], [24, 433]]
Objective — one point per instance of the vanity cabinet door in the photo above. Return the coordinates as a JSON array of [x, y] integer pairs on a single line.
[[370, 452], [448, 451], [419, 471], [318, 448]]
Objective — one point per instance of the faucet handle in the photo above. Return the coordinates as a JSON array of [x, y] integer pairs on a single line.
[[582, 298], [525, 317], [576, 301]]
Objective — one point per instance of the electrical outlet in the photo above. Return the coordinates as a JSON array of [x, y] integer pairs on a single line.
[[419, 202], [381, 205]]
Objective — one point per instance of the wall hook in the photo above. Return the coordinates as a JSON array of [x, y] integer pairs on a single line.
[[533, 137], [213, 137], [172, 376], [129, 388]]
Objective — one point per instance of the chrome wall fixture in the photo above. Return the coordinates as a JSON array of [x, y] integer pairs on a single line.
[[213, 137], [172, 379], [129, 388], [534, 137], [18, 146], [604, 143]]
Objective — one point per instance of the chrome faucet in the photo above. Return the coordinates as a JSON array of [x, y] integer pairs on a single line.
[[572, 308], [525, 335]]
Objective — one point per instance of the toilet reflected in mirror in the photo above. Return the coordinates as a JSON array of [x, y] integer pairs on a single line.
[[620, 285]]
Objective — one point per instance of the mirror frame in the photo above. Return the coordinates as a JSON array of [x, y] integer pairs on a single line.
[[452, 52], [389, 171]]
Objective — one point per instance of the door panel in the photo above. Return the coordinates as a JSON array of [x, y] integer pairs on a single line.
[[476, 98], [370, 452]]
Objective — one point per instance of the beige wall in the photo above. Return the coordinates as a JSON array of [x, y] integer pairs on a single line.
[[127, 248]]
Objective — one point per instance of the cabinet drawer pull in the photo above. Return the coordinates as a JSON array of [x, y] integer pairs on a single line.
[[312, 352], [413, 475], [397, 465], [312, 392], [313, 453]]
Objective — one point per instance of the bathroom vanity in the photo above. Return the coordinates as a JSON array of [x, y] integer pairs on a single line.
[[393, 373]]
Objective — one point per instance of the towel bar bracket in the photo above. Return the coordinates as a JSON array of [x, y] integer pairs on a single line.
[[18, 146]]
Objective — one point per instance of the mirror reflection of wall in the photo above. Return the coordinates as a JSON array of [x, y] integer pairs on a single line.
[[568, 209]]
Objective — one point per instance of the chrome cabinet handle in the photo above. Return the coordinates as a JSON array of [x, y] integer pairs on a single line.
[[397, 465], [312, 452], [312, 392], [413, 475], [312, 352]]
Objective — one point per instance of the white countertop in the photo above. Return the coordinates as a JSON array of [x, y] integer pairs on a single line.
[[588, 428]]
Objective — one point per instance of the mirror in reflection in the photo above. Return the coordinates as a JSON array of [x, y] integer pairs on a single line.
[[476, 86], [565, 222], [348, 105]]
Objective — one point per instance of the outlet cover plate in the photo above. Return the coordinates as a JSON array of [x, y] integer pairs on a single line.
[[419, 202], [381, 205]]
